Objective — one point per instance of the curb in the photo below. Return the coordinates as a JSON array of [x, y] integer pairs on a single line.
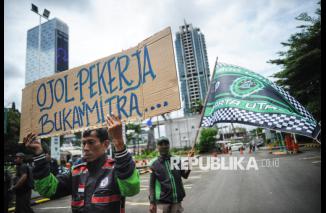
[[279, 153], [144, 172], [33, 202], [312, 145], [40, 201]]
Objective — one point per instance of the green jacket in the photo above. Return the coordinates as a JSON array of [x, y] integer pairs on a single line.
[[165, 184]]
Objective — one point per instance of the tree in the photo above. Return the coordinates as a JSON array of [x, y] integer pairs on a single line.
[[11, 138], [207, 140], [301, 64], [135, 127], [198, 107]]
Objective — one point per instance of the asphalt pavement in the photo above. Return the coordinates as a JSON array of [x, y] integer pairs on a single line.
[[284, 183]]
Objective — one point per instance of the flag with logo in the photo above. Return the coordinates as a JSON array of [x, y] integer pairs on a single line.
[[239, 95]]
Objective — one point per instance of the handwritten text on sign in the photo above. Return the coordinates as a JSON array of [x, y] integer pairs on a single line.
[[137, 83]]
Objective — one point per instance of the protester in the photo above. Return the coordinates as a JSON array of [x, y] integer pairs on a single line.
[[62, 167], [23, 185], [166, 190], [7, 194], [98, 184]]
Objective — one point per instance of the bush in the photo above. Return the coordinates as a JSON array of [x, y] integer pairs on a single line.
[[146, 154]]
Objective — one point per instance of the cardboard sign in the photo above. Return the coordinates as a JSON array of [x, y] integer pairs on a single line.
[[135, 84]]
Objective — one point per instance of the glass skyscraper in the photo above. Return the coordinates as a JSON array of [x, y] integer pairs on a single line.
[[193, 66], [54, 50]]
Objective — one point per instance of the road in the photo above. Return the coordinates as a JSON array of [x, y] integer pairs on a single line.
[[293, 186]]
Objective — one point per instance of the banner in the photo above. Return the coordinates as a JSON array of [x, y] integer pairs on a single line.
[[135, 84], [239, 95]]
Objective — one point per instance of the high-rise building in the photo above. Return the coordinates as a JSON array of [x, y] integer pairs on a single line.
[[53, 53], [193, 66]]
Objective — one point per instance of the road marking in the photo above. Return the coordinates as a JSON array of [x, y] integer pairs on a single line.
[[318, 161], [54, 207], [144, 180], [137, 203], [312, 157], [143, 186], [200, 171], [143, 189], [194, 177]]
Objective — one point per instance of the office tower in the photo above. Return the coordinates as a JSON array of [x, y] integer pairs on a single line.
[[53, 53], [193, 66]]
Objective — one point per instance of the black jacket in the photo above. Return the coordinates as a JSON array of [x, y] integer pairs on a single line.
[[99, 186], [165, 184]]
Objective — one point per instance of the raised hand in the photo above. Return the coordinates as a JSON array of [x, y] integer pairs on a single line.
[[33, 144], [191, 153], [114, 125]]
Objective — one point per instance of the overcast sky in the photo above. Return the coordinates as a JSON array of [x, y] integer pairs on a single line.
[[239, 32]]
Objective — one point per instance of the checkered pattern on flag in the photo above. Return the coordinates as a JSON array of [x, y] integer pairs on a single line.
[[238, 95]]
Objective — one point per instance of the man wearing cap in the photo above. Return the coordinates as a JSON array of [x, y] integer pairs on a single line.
[[97, 184], [165, 186], [22, 188]]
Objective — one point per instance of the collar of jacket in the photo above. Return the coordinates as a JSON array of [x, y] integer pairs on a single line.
[[165, 157], [96, 165]]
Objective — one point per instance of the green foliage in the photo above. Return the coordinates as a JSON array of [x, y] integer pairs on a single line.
[[301, 64], [136, 128], [133, 126], [207, 140], [198, 107], [11, 138], [13, 125], [146, 154]]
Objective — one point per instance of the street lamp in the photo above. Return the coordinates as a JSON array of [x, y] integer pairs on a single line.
[[46, 14]]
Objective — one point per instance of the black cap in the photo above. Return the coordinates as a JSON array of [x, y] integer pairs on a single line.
[[162, 140]]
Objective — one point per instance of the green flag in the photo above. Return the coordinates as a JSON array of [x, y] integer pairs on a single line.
[[239, 95]]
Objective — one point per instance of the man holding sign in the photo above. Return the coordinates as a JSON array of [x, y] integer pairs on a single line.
[[97, 184]]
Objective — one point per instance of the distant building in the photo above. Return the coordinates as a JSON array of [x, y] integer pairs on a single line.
[[182, 131], [193, 66], [54, 55]]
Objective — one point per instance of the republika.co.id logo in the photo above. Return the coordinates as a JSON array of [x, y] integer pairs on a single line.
[[245, 86], [221, 163]]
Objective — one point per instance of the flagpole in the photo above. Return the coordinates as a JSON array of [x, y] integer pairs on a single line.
[[316, 138], [203, 109]]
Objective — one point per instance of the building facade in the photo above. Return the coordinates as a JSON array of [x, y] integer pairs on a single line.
[[193, 66], [53, 55], [182, 131]]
